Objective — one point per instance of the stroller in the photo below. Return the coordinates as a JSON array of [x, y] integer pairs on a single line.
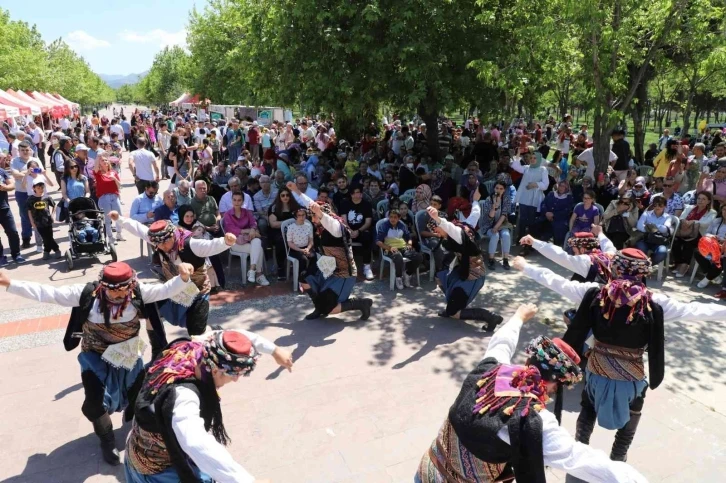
[[86, 232]]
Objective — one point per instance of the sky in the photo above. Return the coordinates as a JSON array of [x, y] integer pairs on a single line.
[[118, 37]]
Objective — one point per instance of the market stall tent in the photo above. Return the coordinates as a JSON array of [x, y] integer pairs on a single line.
[[44, 107], [183, 98], [65, 110], [8, 111], [23, 108]]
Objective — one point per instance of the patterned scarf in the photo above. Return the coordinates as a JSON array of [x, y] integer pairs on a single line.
[[112, 307], [628, 289], [696, 215]]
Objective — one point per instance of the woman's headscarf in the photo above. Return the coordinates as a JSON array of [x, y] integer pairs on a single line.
[[437, 179], [537, 160], [183, 210], [424, 202]]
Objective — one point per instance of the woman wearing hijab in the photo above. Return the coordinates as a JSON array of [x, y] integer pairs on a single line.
[[188, 221], [422, 198]]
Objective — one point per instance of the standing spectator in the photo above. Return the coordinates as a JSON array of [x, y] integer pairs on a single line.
[[18, 169], [108, 192], [143, 166], [621, 149], [530, 194], [253, 138], [61, 157], [358, 215], [7, 183], [126, 126], [38, 139], [40, 210]]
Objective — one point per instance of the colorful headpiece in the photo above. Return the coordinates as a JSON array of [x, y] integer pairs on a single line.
[[584, 241], [231, 352], [555, 360], [325, 207], [160, 231], [117, 275], [628, 268], [631, 263], [431, 225]]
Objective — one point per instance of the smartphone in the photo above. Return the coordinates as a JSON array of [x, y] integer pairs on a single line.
[[37, 170]]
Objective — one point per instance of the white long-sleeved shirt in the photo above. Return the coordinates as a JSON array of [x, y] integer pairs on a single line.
[[70, 296], [188, 426], [526, 196], [225, 202], [579, 264], [663, 222], [201, 248], [329, 223], [559, 449], [454, 231], [672, 309]]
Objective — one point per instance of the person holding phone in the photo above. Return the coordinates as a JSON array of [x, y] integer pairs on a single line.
[[495, 223]]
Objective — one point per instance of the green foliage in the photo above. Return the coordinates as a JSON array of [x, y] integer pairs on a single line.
[[27, 63], [168, 77]]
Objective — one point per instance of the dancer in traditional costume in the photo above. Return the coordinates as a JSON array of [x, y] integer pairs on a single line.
[[106, 321], [174, 246], [330, 287], [499, 429], [625, 318], [464, 278], [177, 403], [592, 254]]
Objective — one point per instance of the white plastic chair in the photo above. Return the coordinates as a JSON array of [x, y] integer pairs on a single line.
[[420, 216], [235, 251], [149, 247], [675, 221], [291, 262], [382, 208], [391, 266], [406, 197], [411, 193]]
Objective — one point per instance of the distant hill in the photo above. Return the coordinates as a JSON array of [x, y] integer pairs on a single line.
[[115, 81]]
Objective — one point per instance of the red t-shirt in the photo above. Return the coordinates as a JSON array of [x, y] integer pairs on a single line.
[[105, 183], [253, 136]]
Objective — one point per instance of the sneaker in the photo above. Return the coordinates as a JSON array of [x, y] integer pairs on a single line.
[[18, 259], [490, 264], [46, 255], [262, 280], [38, 249], [368, 272], [281, 277], [703, 283], [58, 254], [251, 275], [679, 274], [505, 264], [3, 261], [407, 280], [399, 283], [26, 244], [717, 280]]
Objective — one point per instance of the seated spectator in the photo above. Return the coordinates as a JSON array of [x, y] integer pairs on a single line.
[[421, 199], [585, 214], [324, 196], [303, 184], [405, 215], [144, 205], [607, 189], [710, 249], [495, 223], [641, 195], [168, 209], [374, 195], [188, 221], [442, 185], [390, 185], [221, 174], [184, 193], [431, 239], [554, 215], [656, 228], [578, 189], [205, 208], [300, 240], [394, 238], [235, 186], [674, 202], [358, 177], [620, 220], [358, 215], [695, 221], [86, 229], [284, 208], [241, 223], [342, 194]]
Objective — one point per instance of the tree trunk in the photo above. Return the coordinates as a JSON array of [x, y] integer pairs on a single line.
[[601, 141], [687, 112], [429, 112], [641, 95]]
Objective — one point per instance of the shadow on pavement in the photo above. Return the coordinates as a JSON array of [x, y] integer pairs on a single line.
[[67, 391]]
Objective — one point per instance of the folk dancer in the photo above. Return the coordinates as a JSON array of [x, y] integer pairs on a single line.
[[498, 427], [177, 403], [173, 246], [330, 292], [106, 321], [464, 278], [625, 318]]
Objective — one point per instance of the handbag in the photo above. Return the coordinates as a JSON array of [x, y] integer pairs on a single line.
[[656, 238], [690, 232]]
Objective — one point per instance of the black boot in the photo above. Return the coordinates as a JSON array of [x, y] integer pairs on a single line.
[[155, 343], [624, 437], [313, 315], [26, 243], [364, 305], [585, 424], [491, 319], [103, 427]]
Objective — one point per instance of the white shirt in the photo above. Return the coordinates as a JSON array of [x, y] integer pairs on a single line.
[[37, 135], [225, 203], [580, 264], [299, 235], [65, 124], [144, 161], [199, 246], [118, 129], [14, 149], [70, 296], [164, 139], [589, 160], [311, 193], [559, 449]]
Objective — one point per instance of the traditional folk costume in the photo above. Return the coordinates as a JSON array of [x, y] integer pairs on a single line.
[[174, 409], [625, 318], [498, 427], [593, 266], [192, 309], [333, 284], [464, 278], [108, 330]]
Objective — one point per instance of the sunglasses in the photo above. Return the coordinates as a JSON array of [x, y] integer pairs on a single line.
[[284, 196], [73, 167], [668, 186]]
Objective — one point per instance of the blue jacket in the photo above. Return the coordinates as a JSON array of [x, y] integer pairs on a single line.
[[386, 230]]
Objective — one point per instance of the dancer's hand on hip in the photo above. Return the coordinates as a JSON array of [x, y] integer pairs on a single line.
[[526, 311], [283, 358], [519, 263]]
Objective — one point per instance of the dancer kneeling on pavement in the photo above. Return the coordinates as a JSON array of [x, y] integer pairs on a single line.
[[174, 246], [465, 276], [499, 429], [106, 321], [178, 402], [330, 281], [625, 317]]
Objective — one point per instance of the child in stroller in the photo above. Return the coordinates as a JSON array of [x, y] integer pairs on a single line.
[[86, 229]]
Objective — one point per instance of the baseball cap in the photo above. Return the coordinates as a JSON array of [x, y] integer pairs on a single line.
[[81, 147], [38, 181]]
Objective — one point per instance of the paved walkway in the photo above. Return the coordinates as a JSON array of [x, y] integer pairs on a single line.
[[365, 399]]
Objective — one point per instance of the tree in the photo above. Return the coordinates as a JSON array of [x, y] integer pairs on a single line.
[[168, 77]]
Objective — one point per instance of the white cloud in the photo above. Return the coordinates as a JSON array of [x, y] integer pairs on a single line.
[[80, 40], [159, 37]]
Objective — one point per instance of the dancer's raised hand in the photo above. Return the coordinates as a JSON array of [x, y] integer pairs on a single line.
[[526, 311]]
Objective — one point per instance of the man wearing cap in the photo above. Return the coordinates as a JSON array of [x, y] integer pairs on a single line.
[[106, 321], [175, 246], [625, 318], [61, 156], [499, 428], [7, 184], [18, 168], [81, 152], [177, 403]]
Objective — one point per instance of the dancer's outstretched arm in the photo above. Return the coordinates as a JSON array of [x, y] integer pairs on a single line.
[[504, 341], [575, 291]]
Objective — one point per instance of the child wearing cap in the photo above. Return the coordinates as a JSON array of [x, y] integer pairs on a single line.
[[40, 210]]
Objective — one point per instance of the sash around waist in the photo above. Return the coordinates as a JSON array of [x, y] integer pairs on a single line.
[[617, 363]]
